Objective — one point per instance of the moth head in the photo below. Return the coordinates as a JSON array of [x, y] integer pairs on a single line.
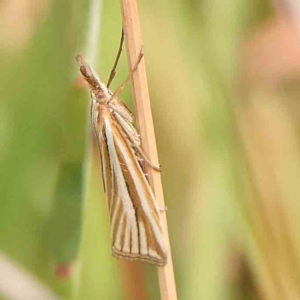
[[98, 88]]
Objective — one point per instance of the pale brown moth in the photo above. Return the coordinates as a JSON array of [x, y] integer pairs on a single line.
[[136, 231]]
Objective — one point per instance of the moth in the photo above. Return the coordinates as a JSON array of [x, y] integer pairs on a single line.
[[136, 230]]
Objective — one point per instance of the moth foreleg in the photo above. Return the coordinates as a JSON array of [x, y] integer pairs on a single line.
[[134, 145], [143, 155]]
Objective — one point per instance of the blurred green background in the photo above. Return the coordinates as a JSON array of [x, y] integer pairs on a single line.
[[224, 85]]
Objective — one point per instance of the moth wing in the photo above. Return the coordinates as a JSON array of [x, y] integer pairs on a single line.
[[120, 107], [97, 124], [136, 231], [128, 128]]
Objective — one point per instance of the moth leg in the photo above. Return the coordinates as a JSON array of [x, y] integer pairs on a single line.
[[121, 87], [138, 148], [113, 71], [97, 134], [140, 151], [163, 209]]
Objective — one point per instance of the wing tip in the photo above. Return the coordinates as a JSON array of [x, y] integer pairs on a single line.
[[159, 261]]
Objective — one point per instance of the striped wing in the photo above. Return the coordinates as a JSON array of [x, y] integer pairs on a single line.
[[136, 230]]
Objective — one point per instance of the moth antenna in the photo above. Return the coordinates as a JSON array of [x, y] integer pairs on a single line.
[[113, 71]]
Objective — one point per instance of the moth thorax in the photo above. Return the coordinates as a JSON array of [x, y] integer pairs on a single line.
[[101, 93]]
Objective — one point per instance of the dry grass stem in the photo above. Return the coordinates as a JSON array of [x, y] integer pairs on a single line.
[[145, 125]]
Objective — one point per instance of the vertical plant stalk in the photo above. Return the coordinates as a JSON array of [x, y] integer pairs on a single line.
[[92, 43], [145, 125], [133, 284], [91, 50]]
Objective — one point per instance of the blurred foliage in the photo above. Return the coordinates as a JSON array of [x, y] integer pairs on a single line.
[[224, 84]]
